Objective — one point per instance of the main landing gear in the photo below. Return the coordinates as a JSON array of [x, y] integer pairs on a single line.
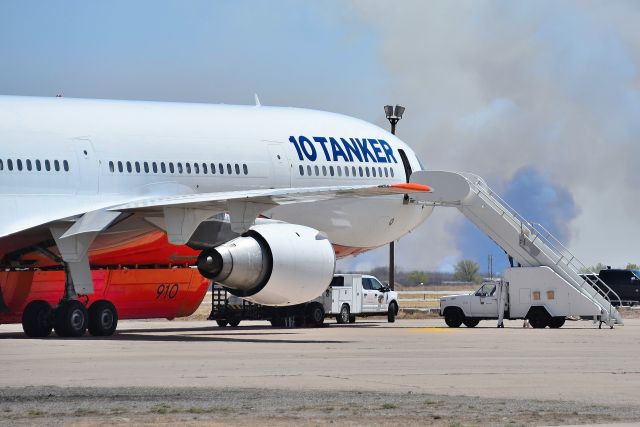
[[70, 318]]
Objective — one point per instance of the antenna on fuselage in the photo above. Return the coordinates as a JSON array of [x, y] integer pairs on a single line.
[[258, 104]]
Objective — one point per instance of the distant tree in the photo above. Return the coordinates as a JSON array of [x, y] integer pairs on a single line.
[[594, 268], [417, 277], [632, 266], [467, 270]]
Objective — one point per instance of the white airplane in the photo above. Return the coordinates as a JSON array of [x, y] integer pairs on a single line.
[[268, 196]]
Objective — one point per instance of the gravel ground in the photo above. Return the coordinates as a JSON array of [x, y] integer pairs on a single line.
[[20, 406]]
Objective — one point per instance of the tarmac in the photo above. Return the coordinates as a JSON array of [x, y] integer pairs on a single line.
[[577, 364]]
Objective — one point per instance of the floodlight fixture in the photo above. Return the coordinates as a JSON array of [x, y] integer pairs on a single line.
[[388, 111], [398, 111]]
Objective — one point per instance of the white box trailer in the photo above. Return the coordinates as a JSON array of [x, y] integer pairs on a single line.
[[535, 293]]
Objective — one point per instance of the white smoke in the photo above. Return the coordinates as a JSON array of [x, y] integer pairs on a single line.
[[491, 87]]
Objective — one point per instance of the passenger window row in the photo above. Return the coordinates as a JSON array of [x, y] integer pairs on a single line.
[[178, 167], [346, 171], [34, 165]]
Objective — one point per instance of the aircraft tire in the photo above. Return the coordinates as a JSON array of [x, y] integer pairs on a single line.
[[36, 319], [103, 319], [70, 319]]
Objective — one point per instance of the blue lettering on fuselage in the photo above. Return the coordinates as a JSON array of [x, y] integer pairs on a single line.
[[343, 149]]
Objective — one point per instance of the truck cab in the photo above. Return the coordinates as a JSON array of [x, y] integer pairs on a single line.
[[479, 305]]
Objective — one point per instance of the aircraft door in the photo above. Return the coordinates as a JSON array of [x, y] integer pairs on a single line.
[[87, 173], [280, 166], [407, 166]]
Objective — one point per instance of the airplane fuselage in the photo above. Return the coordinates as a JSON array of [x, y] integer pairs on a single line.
[[63, 157]]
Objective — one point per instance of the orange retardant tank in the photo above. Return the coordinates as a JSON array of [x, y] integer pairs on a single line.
[[136, 293]]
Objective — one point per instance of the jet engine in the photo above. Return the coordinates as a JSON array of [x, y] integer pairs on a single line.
[[272, 264]]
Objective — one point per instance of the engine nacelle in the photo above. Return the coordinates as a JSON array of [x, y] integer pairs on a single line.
[[272, 264]]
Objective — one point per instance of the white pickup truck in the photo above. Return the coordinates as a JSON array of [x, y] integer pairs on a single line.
[[351, 295], [534, 293]]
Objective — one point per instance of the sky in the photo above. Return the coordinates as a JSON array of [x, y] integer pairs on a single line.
[[541, 99]]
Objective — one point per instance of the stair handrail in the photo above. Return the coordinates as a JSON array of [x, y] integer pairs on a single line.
[[579, 267], [546, 237]]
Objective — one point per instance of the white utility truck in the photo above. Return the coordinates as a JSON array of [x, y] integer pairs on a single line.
[[534, 293], [357, 294]]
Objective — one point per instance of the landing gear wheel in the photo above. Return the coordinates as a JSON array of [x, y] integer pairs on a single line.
[[539, 319], [70, 319], [103, 319], [343, 316], [391, 312], [556, 322], [470, 322], [315, 314], [234, 321], [453, 318], [36, 319], [222, 323]]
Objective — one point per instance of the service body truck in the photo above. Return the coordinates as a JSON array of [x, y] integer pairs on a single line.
[[348, 296], [351, 295], [534, 293]]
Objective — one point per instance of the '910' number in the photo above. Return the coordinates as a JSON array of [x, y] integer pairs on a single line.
[[167, 291]]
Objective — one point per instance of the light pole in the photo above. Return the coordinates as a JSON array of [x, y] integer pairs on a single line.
[[394, 114]]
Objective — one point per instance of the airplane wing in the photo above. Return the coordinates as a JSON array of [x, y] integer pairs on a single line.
[[181, 214], [274, 197]]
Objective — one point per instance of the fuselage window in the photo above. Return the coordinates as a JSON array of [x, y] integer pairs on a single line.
[[301, 168], [229, 171], [346, 171], [204, 168], [28, 164], [10, 164], [317, 170], [145, 165], [373, 171], [1, 165], [38, 165], [324, 171], [391, 172], [154, 167], [245, 169], [237, 168], [366, 170], [112, 167], [380, 171], [171, 168], [339, 170], [360, 170], [56, 165], [180, 170], [163, 167], [188, 167], [386, 172], [65, 165], [120, 169], [309, 170], [353, 171], [331, 170], [129, 167], [19, 164], [137, 164], [196, 168], [221, 168], [47, 165], [213, 168]]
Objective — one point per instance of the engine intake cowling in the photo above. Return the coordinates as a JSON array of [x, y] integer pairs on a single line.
[[272, 264]]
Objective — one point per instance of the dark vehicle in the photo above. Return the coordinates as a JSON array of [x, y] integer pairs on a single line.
[[626, 283]]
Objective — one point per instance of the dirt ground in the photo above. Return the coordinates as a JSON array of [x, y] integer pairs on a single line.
[[53, 406]]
